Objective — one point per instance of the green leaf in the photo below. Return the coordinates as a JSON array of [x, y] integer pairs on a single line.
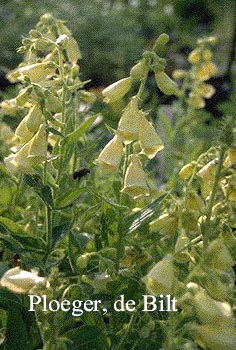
[[16, 333], [87, 337], [44, 191], [142, 217], [75, 135], [55, 132], [68, 198], [166, 125], [18, 240], [46, 194]]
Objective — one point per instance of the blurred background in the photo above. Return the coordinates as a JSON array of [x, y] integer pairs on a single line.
[[113, 33]]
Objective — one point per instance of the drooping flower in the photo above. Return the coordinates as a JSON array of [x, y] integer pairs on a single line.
[[117, 90], [129, 125], [160, 280], [36, 72], [110, 156], [135, 182], [20, 281], [150, 141]]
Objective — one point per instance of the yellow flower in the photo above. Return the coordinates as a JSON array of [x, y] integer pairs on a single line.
[[207, 55], [150, 142], [196, 101], [206, 70], [207, 177], [9, 106], [135, 182], [186, 171], [117, 90], [22, 131], [34, 118], [205, 90], [160, 280], [20, 281], [215, 337], [194, 56], [129, 124], [36, 72], [211, 311], [110, 156], [218, 256], [179, 74], [166, 84], [32, 153]]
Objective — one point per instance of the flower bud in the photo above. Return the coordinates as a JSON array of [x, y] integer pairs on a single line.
[[205, 90], [218, 255], [9, 106], [129, 124], [139, 70], [166, 84], [212, 311], [206, 55], [194, 56], [117, 90], [196, 101], [160, 280], [110, 156], [206, 70], [135, 182], [215, 337], [186, 171], [179, 74], [150, 142], [20, 281]]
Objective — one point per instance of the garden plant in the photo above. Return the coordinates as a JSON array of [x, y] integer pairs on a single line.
[[93, 217]]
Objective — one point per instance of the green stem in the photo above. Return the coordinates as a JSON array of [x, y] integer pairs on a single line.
[[206, 226], [130, 325]]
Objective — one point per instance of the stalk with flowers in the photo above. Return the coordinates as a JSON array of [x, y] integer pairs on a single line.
[[112, 232]]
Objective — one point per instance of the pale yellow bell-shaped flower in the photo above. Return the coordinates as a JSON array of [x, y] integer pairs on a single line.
[[18, 161], [20, 281], [34, 118], [22, 131], [129, 124], [211, 311], [135, 182], [206, 70], [32, 153], [117, 90], [150, 141], [37, 71], [38, 145], [215, 337], [110, 156], [160, 279]]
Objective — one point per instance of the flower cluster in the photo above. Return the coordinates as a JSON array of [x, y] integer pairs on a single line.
[[51, 55], [133, 127], [202, 69]]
